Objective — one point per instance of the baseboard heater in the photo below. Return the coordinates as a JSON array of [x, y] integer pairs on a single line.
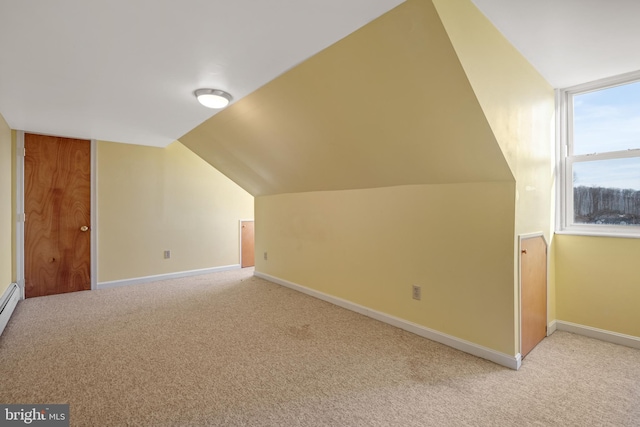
[[8, 303]]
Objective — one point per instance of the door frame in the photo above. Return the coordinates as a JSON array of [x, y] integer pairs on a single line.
[[522, 237], [19, 187], [240, 237]]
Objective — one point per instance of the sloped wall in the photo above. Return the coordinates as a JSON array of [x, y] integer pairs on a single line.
[[388, 105], [517, 103]]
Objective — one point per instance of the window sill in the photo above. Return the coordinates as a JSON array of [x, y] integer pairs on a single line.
[[600, 233]]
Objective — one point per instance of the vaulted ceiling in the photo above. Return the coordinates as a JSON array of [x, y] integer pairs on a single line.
[[388, 105], [126, 71], [327, 95]]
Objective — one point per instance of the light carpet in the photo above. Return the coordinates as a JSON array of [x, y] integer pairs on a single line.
[[230, 349]]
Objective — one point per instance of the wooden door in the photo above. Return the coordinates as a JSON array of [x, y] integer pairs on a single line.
[[57, 180], [247, 243], [533, 281]]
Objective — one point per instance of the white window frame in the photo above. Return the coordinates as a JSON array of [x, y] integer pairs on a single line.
[[566, 159]]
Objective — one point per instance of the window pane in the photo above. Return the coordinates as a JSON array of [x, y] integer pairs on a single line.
[[607, 192], [607, 120]]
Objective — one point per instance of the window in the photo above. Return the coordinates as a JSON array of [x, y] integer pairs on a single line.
[[600, 150]]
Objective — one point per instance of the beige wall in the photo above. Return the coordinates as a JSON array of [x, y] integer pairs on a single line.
[[6, 185], [371, 246], [155, 199], [598, 283]]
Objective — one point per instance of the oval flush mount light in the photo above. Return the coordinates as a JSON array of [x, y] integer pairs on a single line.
[[213, 98]]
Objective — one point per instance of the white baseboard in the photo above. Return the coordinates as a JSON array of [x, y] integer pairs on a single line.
[[600, 334], [8, 303], [552, 327], [177, 275], [503, 359]]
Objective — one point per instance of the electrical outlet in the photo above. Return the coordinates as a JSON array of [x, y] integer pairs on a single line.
[[265, 256], [417, 292], [167, 254]]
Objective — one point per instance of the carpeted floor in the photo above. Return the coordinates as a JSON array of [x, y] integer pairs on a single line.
[[230, 349]]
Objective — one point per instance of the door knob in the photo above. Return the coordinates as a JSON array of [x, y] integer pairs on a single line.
[[524, 251], [84, 228]]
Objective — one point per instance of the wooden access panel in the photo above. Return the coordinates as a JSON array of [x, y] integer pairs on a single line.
[[533, 281], [57, 179], [247, 243]]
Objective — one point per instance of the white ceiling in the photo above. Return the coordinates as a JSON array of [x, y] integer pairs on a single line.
[[125, 70], [571, 42]]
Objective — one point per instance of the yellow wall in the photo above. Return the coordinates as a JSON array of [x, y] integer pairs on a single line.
[[417, 190], [370, 247], [598, 283], [304, 145], [156, 199], [519, 106], [6, 185]]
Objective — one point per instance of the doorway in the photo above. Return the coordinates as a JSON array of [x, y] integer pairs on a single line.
[[247, 250], [57, 202], [533, 292]]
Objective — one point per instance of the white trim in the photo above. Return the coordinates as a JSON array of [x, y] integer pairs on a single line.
[[8, 303], [94, 215], [512, 362], [19, 186], [158, 277], [566, 159], [20, 189], [551, 328], [559, 158], [611, 231], [532, 235], [600, 334], [522, 237], [607, 82]]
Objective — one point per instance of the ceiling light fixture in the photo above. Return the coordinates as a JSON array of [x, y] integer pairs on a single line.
[[213, 98]]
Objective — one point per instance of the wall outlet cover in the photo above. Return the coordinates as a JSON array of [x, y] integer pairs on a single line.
[[416, 292]]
